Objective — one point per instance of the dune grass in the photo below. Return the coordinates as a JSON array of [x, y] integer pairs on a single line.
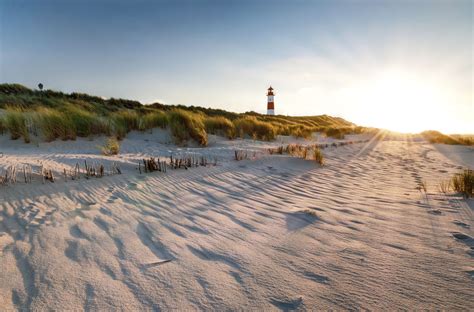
[[15, 121], [55, 125], [437, 137], [185, 125], [463, 182], [252, 127], [220, 125], [155, 119]]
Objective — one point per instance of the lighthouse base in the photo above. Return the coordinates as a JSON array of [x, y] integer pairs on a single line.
[[270, 112]]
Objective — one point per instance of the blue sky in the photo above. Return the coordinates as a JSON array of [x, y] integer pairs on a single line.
[[370, 62]]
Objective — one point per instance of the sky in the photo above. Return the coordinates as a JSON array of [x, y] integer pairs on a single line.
[[402, 65]]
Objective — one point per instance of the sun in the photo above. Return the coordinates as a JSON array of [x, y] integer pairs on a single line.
[[401, 101]]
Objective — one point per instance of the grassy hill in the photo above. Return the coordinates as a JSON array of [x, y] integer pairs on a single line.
[[57, 115]]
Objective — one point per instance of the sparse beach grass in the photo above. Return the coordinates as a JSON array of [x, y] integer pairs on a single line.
[[463, 182]]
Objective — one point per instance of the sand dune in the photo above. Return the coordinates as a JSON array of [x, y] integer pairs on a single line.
[[274, 232]]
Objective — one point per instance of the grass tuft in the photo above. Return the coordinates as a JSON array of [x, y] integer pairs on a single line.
[[463, 182], [111, 147]]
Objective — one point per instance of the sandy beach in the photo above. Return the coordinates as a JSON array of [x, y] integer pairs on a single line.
[[269, 232]]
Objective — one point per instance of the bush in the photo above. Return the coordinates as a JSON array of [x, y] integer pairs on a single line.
[[463, 182], [17, 124], [220, 126], [111, 147], [254, 128], [157, 119], [186, 125]]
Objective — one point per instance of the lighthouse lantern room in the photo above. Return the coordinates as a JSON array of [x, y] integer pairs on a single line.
[[270, 103]]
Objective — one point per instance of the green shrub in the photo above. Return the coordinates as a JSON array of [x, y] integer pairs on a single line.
[[157, 119], [254, 128], [186, 125], [220, 126], [17, 124], [463, 182]]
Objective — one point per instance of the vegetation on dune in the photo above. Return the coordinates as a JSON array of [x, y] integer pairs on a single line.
[[154, 119], [437, 137], [186, 125], [254, 128], [220, 125], [463, 182], [58, 115], [55, 125], [16, 123]]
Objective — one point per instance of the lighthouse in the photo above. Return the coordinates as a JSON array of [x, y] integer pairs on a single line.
[[270, 103]]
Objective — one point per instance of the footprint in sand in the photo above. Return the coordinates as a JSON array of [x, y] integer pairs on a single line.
[[287, 304], [461, 224], [461, 236]]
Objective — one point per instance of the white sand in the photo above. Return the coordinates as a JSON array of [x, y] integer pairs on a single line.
[[237, 234]]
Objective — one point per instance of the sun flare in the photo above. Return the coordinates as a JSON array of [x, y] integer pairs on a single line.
[[402, 101]]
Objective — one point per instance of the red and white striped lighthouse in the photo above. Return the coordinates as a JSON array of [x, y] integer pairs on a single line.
[[270, 103]]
